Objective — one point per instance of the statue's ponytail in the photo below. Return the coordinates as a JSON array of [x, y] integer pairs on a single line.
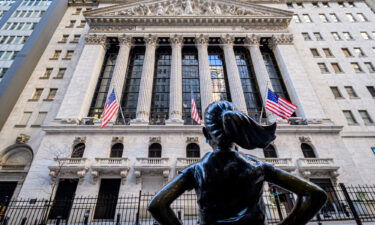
[[228, 125]]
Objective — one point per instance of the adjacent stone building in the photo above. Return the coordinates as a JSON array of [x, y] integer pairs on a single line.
[[156, 55]]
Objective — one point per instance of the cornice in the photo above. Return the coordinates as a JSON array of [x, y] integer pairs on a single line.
[[173, 129]]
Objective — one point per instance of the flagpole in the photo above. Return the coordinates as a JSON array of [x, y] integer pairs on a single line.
[[119, 104], [264, 103]]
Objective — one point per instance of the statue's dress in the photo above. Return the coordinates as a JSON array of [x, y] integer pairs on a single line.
[[229, 188]]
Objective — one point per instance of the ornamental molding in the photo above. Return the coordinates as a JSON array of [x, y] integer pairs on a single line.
[[176, 40], [151, 40], [22, 139], [252, 40], [202, 40], [125, 40], [94, 39], [282, 39], [187, 13], [227, 39]]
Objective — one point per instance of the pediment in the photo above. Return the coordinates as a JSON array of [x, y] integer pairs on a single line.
[[185, 12]]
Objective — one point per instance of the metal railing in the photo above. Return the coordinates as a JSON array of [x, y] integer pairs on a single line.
[[356, 203]]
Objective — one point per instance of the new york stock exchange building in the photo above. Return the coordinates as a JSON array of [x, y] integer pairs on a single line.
[[159, 54]]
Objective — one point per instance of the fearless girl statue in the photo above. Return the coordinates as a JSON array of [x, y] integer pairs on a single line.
[[229, 184]]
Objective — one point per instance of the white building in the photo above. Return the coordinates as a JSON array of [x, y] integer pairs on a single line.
[[320, 55]]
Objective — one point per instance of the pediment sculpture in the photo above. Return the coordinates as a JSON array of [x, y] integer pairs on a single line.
[[189, 8]]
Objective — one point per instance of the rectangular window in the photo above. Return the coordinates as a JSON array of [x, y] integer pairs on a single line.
[[300, 6], [56, 55], [351, 4], [336, 67], [349, 117], [341, 4], [365, 117], [37, 94], [51, 94], [78, 11], [60, 73], [336, 36], [323, 18], [350, 17], [47, 73], [325, 4], [307, 18], [327, 52], [358, 52], [2, 72], [68, 55], [371, 89], [370, 67], [323, 68], [64, 38], [362, 17], [347, 36], [24, 119], [336, 92], [76, 38], [289, 5], [346, 52], [356, 67], [83, 23], [296, 18], [306, 36], [315, 5], [365, 35], [351, 92], [40, 119], [318, 36], [314, 52], [334, 17], [71, 24]]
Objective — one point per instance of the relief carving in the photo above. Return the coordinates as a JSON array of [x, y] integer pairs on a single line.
[[94, 39], [22, 139], [282, 39], [252, 40], [155, 140]]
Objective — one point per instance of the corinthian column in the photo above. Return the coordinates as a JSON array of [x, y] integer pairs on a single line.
[[175, 94], [204, 71], [145, 90], [295, 77], [79, 94], [119, 72], [261, 73], [234, 80]]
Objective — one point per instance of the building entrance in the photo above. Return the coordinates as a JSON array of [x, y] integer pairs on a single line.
[[107, 199]]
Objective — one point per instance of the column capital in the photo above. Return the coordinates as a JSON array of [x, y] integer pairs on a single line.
[[125, 40], [202, 40], [176, 40], [227, 39], [281, 39], [94, 39], [252, 40], [151, 40]]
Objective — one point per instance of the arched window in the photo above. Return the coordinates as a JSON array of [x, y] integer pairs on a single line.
[[116, 150], [249, 82], [104, 80], [270, 152], [160, 91], [308, 151], [154, 151], [190, 82], [193, 151], [132, 83], [78, 150], [220, 86]]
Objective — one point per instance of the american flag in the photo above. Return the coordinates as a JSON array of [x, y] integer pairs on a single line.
[[194, 111], [110, 109], [279, 106]]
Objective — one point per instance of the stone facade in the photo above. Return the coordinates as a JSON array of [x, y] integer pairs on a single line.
[[343, 151]]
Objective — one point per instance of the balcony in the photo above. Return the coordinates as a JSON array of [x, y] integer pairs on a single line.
[[152, 166], [281, 163], [69, 167], [184, 162], [110, 166], [317, 166]]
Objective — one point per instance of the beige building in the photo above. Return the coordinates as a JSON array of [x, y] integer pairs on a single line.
[[320, 55]]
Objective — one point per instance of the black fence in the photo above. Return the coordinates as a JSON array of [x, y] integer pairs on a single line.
[[356, 203]]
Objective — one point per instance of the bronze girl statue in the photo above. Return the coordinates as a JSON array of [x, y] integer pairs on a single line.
[[229, 184]]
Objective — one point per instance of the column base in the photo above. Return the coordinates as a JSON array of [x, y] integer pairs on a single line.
[[139, 121], [174, 122]]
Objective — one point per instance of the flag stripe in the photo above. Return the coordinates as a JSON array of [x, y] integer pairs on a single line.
[[111, 107], [279, 106]]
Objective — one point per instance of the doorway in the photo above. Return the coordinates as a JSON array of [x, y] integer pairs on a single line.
[[6, 193], [63, 199], [107, 199]]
